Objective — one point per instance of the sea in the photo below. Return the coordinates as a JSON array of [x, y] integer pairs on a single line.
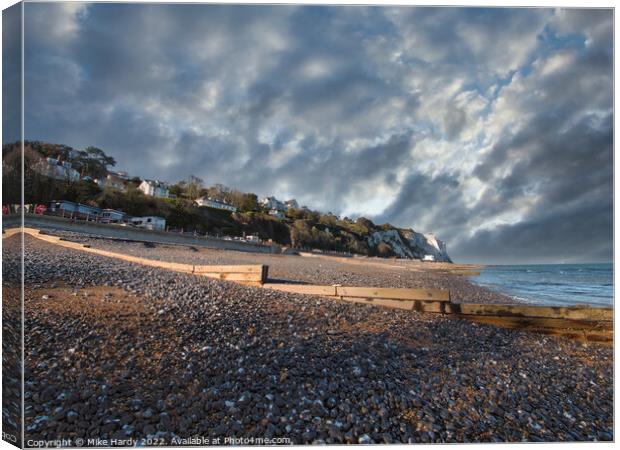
[[552, 284]]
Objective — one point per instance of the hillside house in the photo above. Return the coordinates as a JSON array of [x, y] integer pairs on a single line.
[[73, 153], [59, 170], [216, 204], [119, 174], [277, 214], [291, 204], [154, 188], [111, 181], [273, 203]]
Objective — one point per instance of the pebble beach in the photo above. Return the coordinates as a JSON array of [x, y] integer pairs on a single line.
[[115, 350], [388, 273]]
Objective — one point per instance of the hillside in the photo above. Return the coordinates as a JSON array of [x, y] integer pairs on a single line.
[[299, 227]]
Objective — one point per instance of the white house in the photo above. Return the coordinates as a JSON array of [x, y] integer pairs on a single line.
[[119, 174], [154, 188], [72, 154], [291, 204], [111, 181], [216, 204], [149, 222], [273, 203], [59, 170], [276, 213]]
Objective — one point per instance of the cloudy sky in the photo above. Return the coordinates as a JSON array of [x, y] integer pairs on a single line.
[[492, 128]]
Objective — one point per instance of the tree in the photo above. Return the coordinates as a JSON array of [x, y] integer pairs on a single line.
[[301, 234], [12, 171], [97, 153], [178, 189], [193, 187], [364, 226], [383, 250], [303, 214], [82, 192], [329, 220], [243, 201], [249, 202], [94, 162]]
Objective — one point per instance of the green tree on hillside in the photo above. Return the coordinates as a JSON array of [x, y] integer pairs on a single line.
[[365, 223], [98, 154], [220, 192], [193, 187], [303, 214], [329, 220], [301, 234], [82, 192], [245, 202], [178, 189], [93, 162]]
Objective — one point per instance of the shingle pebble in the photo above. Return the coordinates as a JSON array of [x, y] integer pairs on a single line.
[[182, 355]]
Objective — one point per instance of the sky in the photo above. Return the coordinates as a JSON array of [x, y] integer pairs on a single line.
[[491, 128]]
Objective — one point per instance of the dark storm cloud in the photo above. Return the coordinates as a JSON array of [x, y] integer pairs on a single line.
[[570, 236], [420, 195], [11, 69], [326, 166], [573, 217], [490, 127]]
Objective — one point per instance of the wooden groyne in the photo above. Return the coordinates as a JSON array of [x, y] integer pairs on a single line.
[[579, 322], [255, 274], [592, 324], [424, 300]]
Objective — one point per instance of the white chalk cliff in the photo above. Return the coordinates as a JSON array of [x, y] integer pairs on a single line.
[[411, 244]]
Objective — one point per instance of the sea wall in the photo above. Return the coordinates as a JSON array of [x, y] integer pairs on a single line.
[[129, 233]]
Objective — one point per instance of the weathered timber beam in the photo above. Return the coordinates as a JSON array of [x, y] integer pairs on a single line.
[[438, 295], [254, 268], [560, 312], [385, 302], [308, 289], [539, 322]]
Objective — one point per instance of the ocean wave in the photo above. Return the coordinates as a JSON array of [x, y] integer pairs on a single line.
[[549, 285]]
